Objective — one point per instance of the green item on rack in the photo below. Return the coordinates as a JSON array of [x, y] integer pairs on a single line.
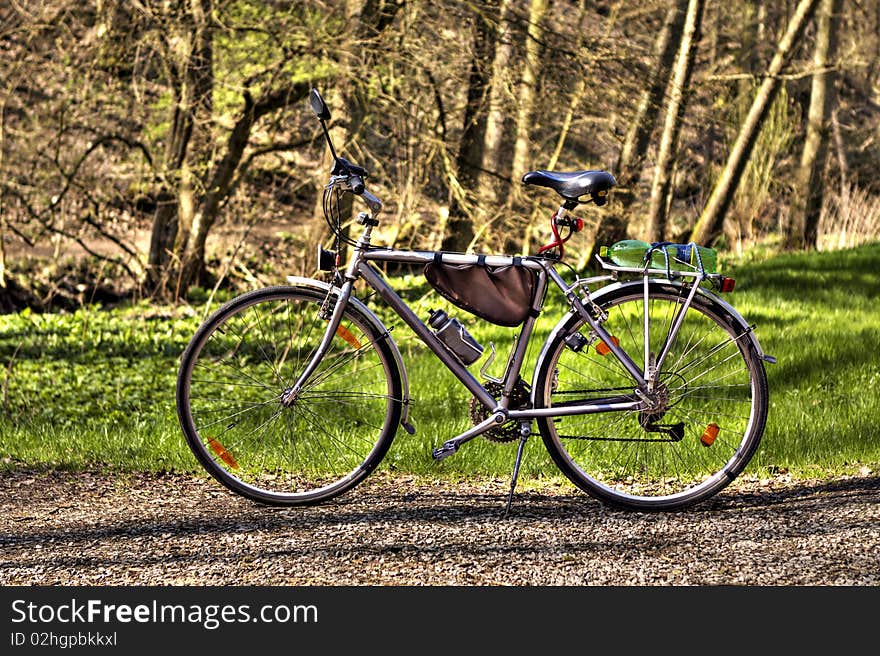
[[682, 257]]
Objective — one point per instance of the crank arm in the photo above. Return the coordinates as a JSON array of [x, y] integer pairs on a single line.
[[451, 446]]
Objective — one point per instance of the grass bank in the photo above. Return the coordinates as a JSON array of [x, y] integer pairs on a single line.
[[96, 387]]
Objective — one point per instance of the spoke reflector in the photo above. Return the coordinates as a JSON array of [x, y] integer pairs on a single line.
[[603, 349], [345, 334], [222, 453], [709, 435]]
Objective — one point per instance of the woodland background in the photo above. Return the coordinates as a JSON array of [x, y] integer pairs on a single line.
[[149, 148]]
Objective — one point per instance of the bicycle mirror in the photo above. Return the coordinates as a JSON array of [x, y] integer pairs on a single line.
[[318, 105]]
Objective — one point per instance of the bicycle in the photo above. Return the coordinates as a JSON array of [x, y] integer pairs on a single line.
[[649, 394]]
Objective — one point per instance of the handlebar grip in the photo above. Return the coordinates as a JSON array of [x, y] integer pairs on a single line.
[[356, 183]]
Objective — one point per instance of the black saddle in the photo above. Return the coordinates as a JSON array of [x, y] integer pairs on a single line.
[[575, 184]]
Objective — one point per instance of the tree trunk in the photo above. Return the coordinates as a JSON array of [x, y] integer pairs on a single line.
[[840, 150], [218, 188], [712, 218], [675, 108], [192, 81], [527, 88], [530, 231], [802, 229], [498, 149], [632, 154], [367, 19], [459, 232]]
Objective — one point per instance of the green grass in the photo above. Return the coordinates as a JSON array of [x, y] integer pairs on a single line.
[[819, 314], [95, 388]]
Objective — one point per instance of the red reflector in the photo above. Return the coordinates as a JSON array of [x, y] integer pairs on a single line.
[[727, 284], [709, 435], [603, 349], [347, 335], [222, 453]]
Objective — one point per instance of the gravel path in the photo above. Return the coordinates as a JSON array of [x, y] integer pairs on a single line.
[[99, 529]]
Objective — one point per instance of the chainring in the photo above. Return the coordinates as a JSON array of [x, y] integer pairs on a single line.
[[509, 431]]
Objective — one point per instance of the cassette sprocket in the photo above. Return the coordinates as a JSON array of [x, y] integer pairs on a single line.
[[519, 399]]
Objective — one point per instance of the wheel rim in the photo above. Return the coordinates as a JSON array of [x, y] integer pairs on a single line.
[[243, 423], [658, 458]]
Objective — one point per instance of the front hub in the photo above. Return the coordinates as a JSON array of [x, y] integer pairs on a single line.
[[289, 397]]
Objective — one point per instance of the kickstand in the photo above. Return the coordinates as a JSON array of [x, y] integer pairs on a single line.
[[524, 431]]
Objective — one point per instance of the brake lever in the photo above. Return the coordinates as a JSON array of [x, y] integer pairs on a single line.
[[344, 167], [356, 183]]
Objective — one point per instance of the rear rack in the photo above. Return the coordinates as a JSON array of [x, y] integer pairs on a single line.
[[718, 281], [669, 273]]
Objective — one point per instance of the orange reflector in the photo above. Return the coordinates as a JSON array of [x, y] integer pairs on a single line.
[[603, 349], [709, 435], [222, 453], [345, 334]]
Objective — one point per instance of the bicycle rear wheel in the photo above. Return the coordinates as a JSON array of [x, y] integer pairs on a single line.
[[232, 382], [710, 411]]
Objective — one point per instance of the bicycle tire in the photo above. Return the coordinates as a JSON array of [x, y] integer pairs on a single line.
[[715, 386], [235, 371]]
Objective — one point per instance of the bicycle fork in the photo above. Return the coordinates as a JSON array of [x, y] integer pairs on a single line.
[[290, 395]]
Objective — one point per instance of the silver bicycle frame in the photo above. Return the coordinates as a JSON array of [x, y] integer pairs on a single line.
[[546, 273], [360, 266], [498, 409]]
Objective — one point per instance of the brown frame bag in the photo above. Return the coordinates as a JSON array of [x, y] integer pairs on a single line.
[[501, 295]]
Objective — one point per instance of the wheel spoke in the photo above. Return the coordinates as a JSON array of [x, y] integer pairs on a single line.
[[260, 441], [635, 458]]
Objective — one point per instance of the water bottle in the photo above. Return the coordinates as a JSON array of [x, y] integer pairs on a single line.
[[452, 333], [631, 253]]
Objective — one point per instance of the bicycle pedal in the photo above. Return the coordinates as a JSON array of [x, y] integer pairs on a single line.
[[444, 451]]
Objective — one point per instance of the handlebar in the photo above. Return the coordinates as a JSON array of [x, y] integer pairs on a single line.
[[342, 166], [356, 183], [353, 176]]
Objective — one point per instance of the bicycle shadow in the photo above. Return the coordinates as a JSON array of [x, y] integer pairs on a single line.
[[234, 515]]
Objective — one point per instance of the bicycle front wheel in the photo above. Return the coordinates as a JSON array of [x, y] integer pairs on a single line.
[[240, 421], [708, 408]]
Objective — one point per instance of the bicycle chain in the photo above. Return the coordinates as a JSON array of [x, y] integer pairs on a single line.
[[519, 398]]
